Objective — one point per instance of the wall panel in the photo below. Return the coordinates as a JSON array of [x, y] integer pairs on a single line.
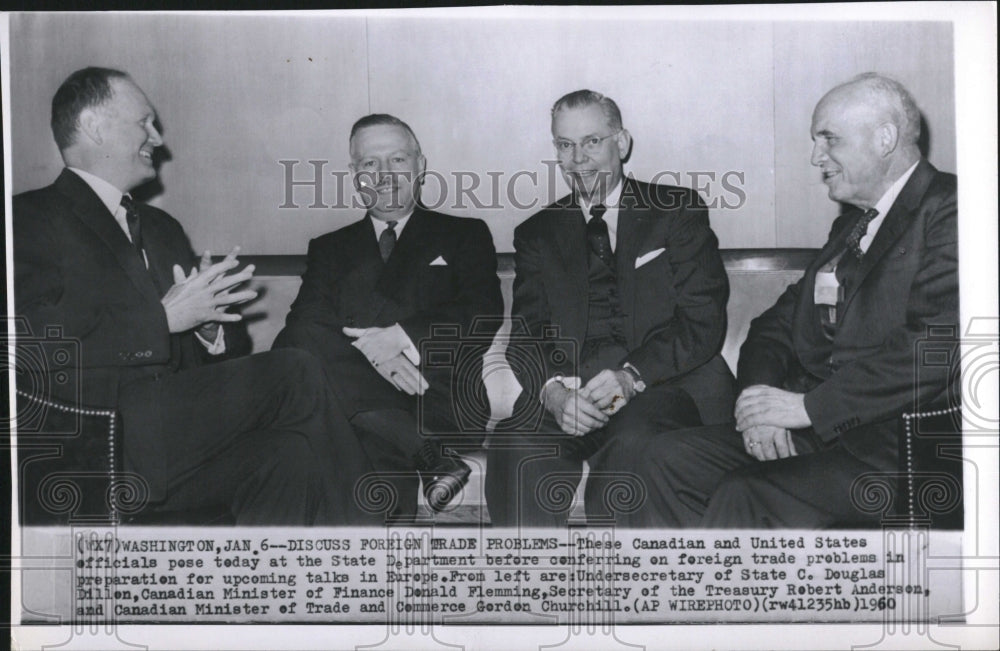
[[810, 58], [703, 100]]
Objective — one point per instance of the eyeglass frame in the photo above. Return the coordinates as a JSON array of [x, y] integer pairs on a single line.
[[595, 148]]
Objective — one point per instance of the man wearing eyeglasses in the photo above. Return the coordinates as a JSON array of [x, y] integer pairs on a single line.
[[630, 275]]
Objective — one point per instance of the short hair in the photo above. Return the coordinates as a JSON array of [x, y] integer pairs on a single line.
[[381, 119], [581, 98], [894, 97], [86, 88]]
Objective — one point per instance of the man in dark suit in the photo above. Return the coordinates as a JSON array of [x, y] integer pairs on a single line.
[[630, 275], [258, 435], [827, 371], [375, 291]]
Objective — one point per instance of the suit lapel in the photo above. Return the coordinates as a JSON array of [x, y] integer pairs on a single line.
[[89, 208], [837, 245], [633, 230], [569, 235], [362, 253], [161, 262], [893, 226]]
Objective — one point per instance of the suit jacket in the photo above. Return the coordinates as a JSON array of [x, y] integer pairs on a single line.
[[674, 303], [75, 270], [346, 283], [906, 283], [95, 315]]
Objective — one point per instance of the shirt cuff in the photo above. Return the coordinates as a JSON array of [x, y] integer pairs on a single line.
[[573, 383], [216, 347]]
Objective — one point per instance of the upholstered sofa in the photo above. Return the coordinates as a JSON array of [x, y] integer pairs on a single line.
[[756, 277], [83, 493]]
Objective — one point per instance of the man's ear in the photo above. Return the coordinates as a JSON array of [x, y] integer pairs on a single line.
[[421, 169], [91, 125], [624, 140], [887, 137]]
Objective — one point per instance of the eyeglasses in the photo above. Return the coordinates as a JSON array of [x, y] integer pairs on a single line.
[[590, 146]]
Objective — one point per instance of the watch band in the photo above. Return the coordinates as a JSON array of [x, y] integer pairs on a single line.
[[640, 386]]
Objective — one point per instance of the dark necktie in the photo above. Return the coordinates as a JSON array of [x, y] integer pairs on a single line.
[[597, 235], [387, 240], [859, 230], [132, 219]]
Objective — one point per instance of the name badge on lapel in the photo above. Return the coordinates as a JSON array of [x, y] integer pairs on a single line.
[[827, 289]]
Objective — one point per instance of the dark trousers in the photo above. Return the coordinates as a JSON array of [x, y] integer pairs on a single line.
[[531, 477], [259, 435], [392, 439], [703, 477]]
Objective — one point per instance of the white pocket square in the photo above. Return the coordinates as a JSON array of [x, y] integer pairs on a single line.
[[646, 257], [438, 262]]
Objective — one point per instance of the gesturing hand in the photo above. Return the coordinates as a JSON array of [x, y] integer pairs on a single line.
[[204, 295], [764, 442], [208, 331], [575, 414], [764, 405], [403, 375], [609, 390]]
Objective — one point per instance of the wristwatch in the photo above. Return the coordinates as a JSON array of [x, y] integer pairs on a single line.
[[573, 383], [640, 386]]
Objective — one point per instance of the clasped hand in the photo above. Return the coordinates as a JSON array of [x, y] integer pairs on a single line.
[[391, 353], [764, 415], [580, 411], [203, 296]]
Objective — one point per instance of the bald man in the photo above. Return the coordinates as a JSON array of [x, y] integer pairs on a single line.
[[827, 371]]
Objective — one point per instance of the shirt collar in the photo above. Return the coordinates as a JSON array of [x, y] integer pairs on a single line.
[[889, 198], [381, 225], [610, 201], [109, 195]]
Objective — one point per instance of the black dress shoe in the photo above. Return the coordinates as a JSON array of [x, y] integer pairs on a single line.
[[443, 477]]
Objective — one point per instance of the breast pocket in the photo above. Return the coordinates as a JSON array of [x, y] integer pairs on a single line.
[[654, 288], [656, 265], [437, 284]]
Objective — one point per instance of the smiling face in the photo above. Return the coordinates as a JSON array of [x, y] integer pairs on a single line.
[[593, 174], [387, 167], [849, 149], [127, 137]]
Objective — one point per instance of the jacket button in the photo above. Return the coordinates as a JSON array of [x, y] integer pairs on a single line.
[[148, 353]]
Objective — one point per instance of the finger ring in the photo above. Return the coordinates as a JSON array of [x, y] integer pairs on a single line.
[[752, 444]]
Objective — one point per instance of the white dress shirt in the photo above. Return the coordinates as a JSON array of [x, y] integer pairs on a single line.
[[380, 225]]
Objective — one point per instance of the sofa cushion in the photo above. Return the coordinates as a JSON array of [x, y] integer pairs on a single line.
[[756, 278]]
